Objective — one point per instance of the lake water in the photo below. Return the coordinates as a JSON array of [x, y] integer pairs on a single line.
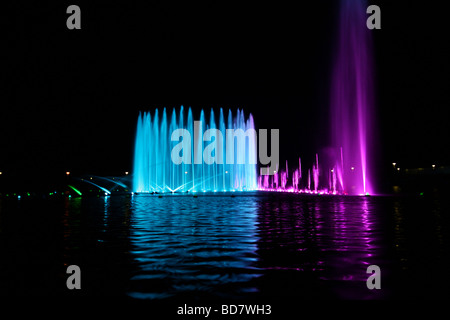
[[250, 247]]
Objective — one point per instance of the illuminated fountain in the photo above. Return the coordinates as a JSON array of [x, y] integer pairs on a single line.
[[282, 181], [195, 158], [352, 111], [345, 170], [348, 169]]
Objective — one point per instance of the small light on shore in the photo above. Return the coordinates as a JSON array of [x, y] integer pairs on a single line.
[[67, 172], [126, 172]]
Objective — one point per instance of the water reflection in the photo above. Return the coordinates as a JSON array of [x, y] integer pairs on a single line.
[[186, 246], [317, 241], [71, 231], [253, 244], [421, 241], [96, 238], [216, 246]]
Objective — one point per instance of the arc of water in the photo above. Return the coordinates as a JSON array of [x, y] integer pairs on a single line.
[[98, 186]]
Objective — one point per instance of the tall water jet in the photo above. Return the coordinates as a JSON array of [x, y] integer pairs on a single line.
[[352, 114], [206, 162]]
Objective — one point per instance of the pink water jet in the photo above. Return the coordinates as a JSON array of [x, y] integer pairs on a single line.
[[350, 168], [352, 107]]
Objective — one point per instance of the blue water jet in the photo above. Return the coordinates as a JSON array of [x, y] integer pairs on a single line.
[[215, 159]]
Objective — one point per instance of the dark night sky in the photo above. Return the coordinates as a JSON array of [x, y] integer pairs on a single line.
[[70, 98]]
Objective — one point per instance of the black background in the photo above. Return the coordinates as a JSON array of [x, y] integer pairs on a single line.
[[70, 98]]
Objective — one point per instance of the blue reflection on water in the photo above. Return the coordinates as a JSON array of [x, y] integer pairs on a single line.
[[253, 244], [182, 244]]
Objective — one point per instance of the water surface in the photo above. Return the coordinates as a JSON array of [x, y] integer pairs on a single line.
[[251, 246]]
